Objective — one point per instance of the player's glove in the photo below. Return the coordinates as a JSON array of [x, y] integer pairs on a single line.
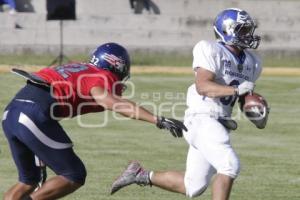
[[246, 86], [173, 125]]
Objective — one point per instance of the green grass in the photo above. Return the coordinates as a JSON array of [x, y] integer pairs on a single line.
[[273, 61], [33, 59], [142, 59], [137, 58], [270, 157]]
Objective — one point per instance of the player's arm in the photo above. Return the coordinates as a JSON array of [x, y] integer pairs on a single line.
[[130, 109], [206, 85], [122, 106]]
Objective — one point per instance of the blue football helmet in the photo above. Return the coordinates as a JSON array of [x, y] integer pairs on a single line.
[[235, 27], [112, 57]]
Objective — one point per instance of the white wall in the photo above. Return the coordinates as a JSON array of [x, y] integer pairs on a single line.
[[180, 24]]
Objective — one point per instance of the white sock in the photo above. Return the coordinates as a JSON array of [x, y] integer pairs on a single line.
[[150, 175]]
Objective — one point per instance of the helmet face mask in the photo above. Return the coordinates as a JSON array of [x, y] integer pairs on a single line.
[[112, 57], [235, 27], [244, 36]]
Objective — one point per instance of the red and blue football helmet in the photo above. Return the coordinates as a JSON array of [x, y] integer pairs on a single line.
[[235, 27], [112, 57]]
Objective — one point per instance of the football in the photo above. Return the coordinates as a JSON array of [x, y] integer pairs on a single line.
[[256, 109]]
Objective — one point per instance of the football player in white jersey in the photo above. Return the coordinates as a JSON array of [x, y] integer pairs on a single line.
[[224, 70]]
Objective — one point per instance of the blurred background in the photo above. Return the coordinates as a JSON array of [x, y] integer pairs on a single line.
[[155, 31]]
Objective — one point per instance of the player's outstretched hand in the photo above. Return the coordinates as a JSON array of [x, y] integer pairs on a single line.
[[173, 125], [245, 87]]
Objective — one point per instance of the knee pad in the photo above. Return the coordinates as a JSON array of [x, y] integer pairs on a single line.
[[194, 188], [77, 173], [231, 166]]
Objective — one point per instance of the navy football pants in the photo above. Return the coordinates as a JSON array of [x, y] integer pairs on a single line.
[[30, 131]]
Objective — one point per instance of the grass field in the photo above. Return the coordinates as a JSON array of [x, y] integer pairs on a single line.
[[270, 157], [142, 59]]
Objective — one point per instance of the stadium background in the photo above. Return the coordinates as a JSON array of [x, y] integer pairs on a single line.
[[160, 42]]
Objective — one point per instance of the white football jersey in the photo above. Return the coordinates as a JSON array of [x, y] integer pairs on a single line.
[[228, 69]]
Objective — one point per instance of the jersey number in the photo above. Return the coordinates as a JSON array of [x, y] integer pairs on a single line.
[[65, 71], [95, 60], [230, 99]]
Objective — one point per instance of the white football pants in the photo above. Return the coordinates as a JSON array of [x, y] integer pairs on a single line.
[[209, 152]]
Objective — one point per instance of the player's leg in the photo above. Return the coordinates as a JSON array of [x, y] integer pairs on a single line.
[[45, 138], [23, 158], [70, 175], [226, 174], [51, 144], [18, 191], [198, 173], [56, 187], [192, 183], [172, 181], [221, 187], [217, 150]]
